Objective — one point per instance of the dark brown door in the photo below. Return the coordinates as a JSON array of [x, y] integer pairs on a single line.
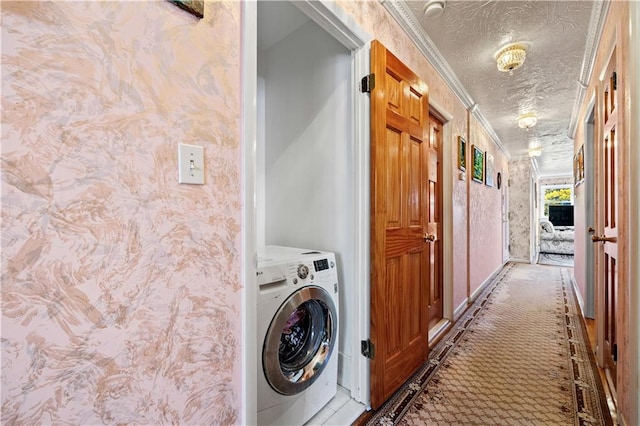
[[399, 201], [434, 222]]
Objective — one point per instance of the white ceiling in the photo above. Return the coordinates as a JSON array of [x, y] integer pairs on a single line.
[[276, 20], [561, 37]]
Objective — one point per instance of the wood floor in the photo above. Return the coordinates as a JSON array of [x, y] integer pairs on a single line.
[[590, 325]]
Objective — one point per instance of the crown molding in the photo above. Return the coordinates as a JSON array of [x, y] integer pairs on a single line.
[[596, 25], [407, 21]]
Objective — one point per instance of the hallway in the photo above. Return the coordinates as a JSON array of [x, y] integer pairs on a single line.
[[519, 355], [129, 297]]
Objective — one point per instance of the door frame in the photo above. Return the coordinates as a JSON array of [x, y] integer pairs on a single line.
[[449, 152], [599, 209], [504, 211], [634, 191], [342, 27], [345, 30], [589, 308]]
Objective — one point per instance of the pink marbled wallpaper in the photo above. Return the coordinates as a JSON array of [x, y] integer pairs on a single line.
[[120, 287], [485, 219]]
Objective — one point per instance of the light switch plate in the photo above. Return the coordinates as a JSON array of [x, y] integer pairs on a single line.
[[190, 164]]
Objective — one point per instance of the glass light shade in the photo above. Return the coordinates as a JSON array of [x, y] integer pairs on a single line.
[[434, 8], [511, 57], [527, 120]]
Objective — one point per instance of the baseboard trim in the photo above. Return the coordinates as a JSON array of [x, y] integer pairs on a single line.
[[436, 332], [485, 283], [576, 290], [462, 307], [457, 313], [519, 260]]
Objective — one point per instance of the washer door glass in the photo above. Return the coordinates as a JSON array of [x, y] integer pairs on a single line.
[[300, 340]]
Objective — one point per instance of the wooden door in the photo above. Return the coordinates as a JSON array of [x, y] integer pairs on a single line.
[[608, 191], [399, 196], [434, 222]]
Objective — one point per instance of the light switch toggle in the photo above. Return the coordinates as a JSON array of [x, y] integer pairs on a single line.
[[190, 164]]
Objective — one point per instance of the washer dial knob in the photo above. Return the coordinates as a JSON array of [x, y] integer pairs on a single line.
[[303, 271]]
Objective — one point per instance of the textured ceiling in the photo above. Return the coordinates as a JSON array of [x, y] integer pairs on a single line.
[[469, 33]]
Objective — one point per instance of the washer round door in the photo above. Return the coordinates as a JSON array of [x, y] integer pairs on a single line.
[[300, 340]]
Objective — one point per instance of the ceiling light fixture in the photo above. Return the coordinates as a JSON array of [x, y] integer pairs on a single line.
[[527, 120], [434, 8], [511, 57], [537, 152]]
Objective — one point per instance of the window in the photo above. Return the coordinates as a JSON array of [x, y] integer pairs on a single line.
[[555, 195]]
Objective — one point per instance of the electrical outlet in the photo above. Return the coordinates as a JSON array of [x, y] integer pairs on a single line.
[[190, 164]]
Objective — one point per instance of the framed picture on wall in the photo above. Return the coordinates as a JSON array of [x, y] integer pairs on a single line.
[[195, 7], [478, 165], [489, 170], [462, 153], [578, 166]]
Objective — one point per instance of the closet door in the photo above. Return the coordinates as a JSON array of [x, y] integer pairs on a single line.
[[400, 238]]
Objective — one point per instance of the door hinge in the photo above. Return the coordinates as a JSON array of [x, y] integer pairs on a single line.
[[367, 349], [614, 79], [614, 352], [368, 83]]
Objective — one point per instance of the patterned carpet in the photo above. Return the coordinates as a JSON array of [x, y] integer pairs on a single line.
[[516, 357]]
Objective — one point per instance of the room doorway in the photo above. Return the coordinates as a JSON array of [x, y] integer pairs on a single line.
[[556, 225], [331, 19]]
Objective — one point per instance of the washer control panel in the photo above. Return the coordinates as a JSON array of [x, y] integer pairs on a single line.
[[303, 271], [312, 270]]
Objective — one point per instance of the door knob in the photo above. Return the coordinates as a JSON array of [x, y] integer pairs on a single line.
[[603, 239], [429, 238], [591, 230]]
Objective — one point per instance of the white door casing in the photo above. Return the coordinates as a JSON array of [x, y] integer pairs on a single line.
[[344, 29]]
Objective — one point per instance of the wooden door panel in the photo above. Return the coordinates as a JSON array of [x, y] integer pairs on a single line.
[[393, 344], [409, 127], [413, 297], [433, 171], [402, 241], [393, 85], [414, 182], [608, 216], [434, 224], [392, 152], [610, 167], [415, 107], [399, 287]]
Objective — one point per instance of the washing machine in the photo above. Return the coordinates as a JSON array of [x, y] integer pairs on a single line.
[[297, 312]]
